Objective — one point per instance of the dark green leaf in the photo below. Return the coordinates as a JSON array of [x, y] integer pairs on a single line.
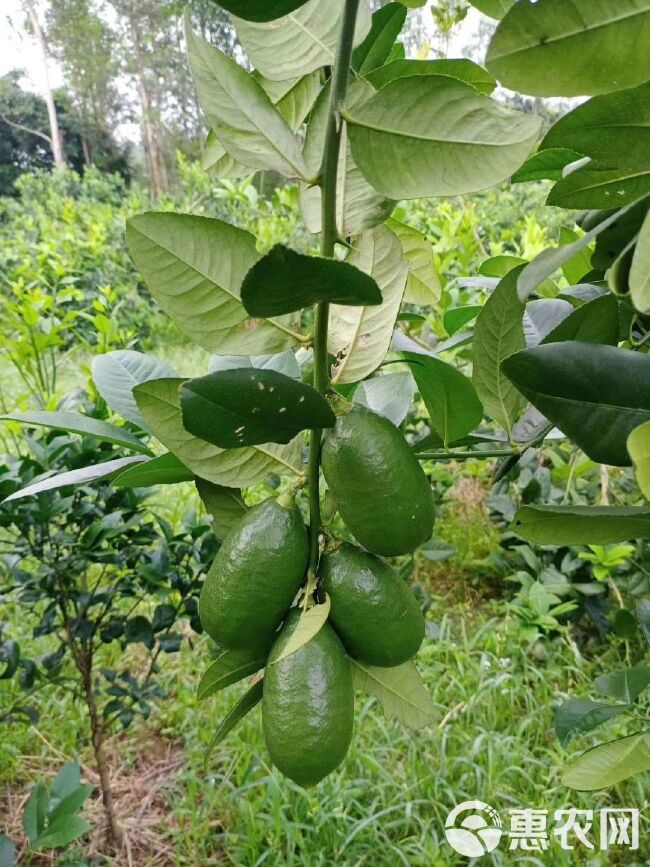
[[450, 398], [581, 525], [71, 803], [261, 10], [596, 186], [245, 704], [643, 613], [62, 832], [608, 764], [625, 685], [611, 129], [597, 321], [387, 23], [625, 624], [228, 668], [74, 477], [457, 317], [224, 505], [235, 408], [577, 48], [575, 269], [594, 394], [461, 70], [74, 422], [67, 780], [163, 617], [10, 656], [576, 716], [614, 239], [546, 165], [163, 470], [138, 630], [284, 281], [35, 811]]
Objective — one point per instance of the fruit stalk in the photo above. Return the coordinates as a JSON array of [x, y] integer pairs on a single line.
[[329, 236]]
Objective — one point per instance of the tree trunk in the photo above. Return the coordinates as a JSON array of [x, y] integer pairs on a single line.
[[156, 169], [55, 133]]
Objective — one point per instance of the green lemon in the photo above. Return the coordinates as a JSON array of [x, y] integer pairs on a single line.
[[373, 611], [378, 485], [255, 576], [308, 705]]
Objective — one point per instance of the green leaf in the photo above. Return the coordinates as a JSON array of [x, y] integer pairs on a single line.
[[596, 186], [462, 70], [312, 33], [358, 206], [643, 613], [576, 268], [261, 10], [309, 625], [625, 685], [62, 832], [548, 261], [74, 422], [247, 124], [546, 165], [594, 394], [457, 317], [248, 406], [572, 47], [499, 332], [608, 764], [610, 128], [360, 337], [596, 321], [284, 281], [283, 362], [295, 102], [194, 268], [35, 812], [245, 704], [542, 316], [159, 402], [400, 691], [162, 470], [576, 716], [640, 270], [422, 286], [492, 8], [219, 163], [67, 780], [581, 525], [71, 803], [228, 668], [450, 398], [82, 476], [389, 394], [224, 505], [438, 136], [616, 237], [638, 446], [116, 373], [138, 630], [7, 852], [387, 23]]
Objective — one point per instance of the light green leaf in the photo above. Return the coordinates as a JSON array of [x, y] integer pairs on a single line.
[[245, 704], [581, 525], [610, 128], [224, 505], [596, 186], [625, 685], [431, 135], [595, 394], [35, 811], [572, 47], [294, 98], [608, 764], [400, 691], [575, 269], [301, 42], [499, 332], [67, 780], [492, 8], [81, 476], [638, 445], [62, 832], [457, 317], [309, 625], [423, 286], [358, 205], [461, 70], [545, 165], [283, 362], [219, 163], [596, 321], [116, 373], [72, 802], [576, 716], [75, 422], [194, 268], [160, 404], [247, 124], [162, 470], [228, 668], [450, 399], [640, 270], [360, 337], [389, 394]]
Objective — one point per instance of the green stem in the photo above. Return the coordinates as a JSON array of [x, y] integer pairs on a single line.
[[461, 456], [329, 237]]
